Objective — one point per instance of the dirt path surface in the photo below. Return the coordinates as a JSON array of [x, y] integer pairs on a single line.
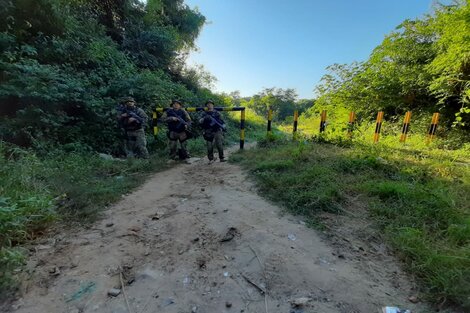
[[197, 238]]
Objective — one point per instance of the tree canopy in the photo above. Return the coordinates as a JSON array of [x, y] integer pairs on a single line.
[[283, 102], [424, 66], [64, 65]]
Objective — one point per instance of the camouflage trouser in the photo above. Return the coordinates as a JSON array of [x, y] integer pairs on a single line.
[[216, 138], [136, 144], [174, 138]]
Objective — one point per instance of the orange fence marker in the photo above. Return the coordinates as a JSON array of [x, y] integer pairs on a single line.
[[352, 120], [433, 127], [406, 127], [154, 123], [323, 121], [378, 126], [296, 118], [270, 118]]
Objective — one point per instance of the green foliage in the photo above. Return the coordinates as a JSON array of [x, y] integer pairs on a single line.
[[418, 198], [423, 66], [65, 65], [10, 259], [451, 66], [25, 206], [283, 102], [73, 186]]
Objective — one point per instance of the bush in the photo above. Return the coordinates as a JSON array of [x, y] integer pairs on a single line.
[[418, 198]]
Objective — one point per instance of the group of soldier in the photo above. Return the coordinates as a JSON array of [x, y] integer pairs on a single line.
[[132, 120]]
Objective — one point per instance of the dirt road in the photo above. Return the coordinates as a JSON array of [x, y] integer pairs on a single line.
[[197, 238]]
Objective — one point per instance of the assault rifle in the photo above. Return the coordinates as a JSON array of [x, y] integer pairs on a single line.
[[123, 109], [214, 121], [181, 121]]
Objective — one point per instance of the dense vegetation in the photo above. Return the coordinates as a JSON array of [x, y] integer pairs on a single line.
[[283, 102], [423, 66], [64, 67], [65, 64], [417, 193], [418, 199]]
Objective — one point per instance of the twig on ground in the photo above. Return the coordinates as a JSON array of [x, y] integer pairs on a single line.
[[254, 284], [152, 295], [265, 279], [124, 293]]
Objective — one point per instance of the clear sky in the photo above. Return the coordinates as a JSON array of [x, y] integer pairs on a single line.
[[251, 44]]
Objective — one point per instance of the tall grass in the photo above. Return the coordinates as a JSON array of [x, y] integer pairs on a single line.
[[337, 126], [419, 199], [72, 183], [37, 191]]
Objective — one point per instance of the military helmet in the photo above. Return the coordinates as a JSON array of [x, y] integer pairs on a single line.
[[128, 99], [176, 101], [210, 101]]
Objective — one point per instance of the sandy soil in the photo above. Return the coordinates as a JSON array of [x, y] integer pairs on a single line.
[[198, 238]]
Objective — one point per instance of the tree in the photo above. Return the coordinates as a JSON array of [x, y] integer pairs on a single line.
[[423, 66], [281, 101], [65, 64]]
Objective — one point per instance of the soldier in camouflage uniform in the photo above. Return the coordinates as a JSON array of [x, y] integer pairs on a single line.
[[214, 127], [133, 120], [178, 121]]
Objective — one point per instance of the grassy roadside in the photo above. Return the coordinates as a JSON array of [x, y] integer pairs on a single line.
[[67, 187], [73, 184], [418, 198]]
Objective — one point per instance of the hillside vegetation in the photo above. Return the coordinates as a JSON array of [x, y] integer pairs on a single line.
[[418, 198], [66, 64], [64, 67], [423, 66]]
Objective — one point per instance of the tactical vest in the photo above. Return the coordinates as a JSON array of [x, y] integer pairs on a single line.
[[210, 123], [176, 126]]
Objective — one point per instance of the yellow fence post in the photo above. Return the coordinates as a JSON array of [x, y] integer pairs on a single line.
[[154, 122], [270, 118], [352, 120], [378, 126], [433, 127], [406, 127], [322, 121], [296, 118]]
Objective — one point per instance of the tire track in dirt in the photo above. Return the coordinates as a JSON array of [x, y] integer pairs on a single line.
[[165, 239]]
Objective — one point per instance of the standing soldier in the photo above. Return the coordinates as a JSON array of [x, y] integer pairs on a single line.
[[178, 121], [214, 127], [133, 120]]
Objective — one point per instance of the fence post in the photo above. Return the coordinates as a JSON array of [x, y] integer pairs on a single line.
[[433, 127], [406, 127], [322, 121], [242, 129], [155, 120], [378, 126], [154, 123], [270, 118], [352, 120], [296, 118]]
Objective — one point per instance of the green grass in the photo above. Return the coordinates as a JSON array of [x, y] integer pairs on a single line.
[[418, 198], [74, 185], [363, 132]]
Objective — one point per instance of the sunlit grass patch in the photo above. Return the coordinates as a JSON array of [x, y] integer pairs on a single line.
[[418, 197]]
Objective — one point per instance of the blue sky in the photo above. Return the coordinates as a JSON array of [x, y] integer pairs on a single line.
[[251, 44]]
